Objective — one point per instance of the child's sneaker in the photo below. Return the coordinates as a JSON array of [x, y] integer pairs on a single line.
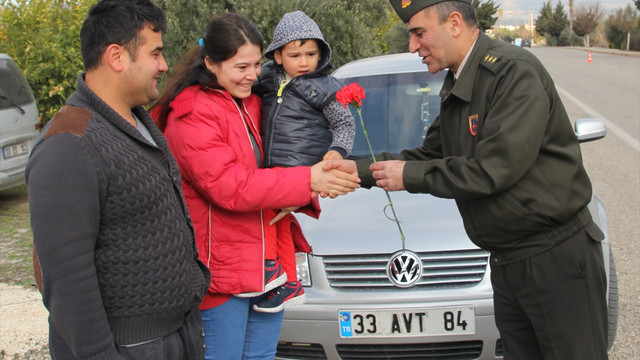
[[285, 296], [274, 276]]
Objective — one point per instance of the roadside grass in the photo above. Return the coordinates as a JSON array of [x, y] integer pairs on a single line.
[[16, 264], [40, 353]]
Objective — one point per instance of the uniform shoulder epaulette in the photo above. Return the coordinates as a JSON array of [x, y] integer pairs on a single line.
[[492, 61], [69, 119]]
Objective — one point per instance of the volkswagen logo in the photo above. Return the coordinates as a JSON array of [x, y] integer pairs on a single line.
[[404, 269]]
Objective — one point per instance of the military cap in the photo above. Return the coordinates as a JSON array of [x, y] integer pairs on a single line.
[[407, 8]]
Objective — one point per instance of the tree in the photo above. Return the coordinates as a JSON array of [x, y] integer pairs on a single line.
[[485, 12], [615, 36], [186, 22], [506, 35], [43, 37], [395, 37], [552, 23], [559, 21], [626, 20], [586, 20], [543, 21]]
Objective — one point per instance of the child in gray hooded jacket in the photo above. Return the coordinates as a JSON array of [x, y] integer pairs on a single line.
[[302, 124]]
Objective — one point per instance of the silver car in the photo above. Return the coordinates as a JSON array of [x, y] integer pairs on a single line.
[[368, 298], [19, 123]]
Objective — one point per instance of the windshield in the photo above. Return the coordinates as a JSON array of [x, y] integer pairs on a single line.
[[397, 110], [14, 89]]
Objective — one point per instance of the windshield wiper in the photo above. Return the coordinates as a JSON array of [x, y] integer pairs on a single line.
[[2, 96]]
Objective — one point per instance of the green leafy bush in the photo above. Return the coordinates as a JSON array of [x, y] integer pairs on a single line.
[[43, 37]]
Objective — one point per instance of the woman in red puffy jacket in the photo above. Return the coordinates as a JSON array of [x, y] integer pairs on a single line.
[[211, 120]]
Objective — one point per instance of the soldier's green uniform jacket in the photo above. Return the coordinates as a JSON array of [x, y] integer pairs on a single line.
[[505, 149]]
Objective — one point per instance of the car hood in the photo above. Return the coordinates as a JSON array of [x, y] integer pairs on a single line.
[[356, 223]]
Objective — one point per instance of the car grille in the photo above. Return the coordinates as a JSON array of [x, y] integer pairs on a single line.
[[289, 350], [442, 269], [462, 350]]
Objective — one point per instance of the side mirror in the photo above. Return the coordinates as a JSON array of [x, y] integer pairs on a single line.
[[590, 129]]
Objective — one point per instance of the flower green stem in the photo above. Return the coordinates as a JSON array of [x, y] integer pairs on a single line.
[[373, 157]]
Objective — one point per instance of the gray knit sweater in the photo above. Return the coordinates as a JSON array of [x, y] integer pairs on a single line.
[[111, 229]]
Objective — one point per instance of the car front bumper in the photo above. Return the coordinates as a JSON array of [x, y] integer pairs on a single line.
[[312, 331]]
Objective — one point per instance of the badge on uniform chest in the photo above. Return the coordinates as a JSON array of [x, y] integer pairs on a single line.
[[473, 124]]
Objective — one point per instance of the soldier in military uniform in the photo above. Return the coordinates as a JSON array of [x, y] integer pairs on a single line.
[[503, 147]]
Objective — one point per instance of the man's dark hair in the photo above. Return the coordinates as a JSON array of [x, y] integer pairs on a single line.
[[117, 22], [447, 7]]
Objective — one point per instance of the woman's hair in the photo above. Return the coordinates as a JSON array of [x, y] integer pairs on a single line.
[[224, 35]]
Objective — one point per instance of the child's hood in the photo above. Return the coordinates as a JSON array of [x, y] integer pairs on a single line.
[[298, 26]]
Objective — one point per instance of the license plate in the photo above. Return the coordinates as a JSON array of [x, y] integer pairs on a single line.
[[459, 320], [15, 150]]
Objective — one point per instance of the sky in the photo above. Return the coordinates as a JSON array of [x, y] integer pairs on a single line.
[[516, 12]]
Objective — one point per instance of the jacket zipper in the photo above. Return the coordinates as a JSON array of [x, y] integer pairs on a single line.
[[258, 141]]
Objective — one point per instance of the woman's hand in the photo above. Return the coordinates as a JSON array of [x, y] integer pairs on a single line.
[[334, 177]]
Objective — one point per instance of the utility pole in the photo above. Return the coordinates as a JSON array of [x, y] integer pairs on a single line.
[[531, 23], [571, 15]]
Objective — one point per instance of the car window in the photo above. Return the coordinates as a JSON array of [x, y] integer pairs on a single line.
[[14, 88], [397, 110]]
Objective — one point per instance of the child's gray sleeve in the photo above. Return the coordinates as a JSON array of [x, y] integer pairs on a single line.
[[342, 126]]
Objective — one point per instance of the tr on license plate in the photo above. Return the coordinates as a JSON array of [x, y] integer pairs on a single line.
[[458, 320], [15, 150]]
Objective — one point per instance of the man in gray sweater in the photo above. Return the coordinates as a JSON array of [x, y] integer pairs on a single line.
[[119, 271]]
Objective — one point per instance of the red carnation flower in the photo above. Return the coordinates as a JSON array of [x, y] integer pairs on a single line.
[[351, 94]]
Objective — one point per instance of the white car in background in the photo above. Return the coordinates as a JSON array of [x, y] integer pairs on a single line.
[[19, 123], [366, 297]]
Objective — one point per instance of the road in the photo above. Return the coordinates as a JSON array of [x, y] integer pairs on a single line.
[[609, 88]]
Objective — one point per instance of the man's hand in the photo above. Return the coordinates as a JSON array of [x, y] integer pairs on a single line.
[[388, 174], [348, 166], [334, 177]]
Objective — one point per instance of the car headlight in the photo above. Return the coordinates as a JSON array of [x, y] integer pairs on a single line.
[[302, 267]]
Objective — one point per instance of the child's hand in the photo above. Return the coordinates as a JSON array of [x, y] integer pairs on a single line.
[[283, 213], [332, 155]]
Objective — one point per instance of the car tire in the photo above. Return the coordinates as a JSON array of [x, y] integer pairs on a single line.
[[613, 301]]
